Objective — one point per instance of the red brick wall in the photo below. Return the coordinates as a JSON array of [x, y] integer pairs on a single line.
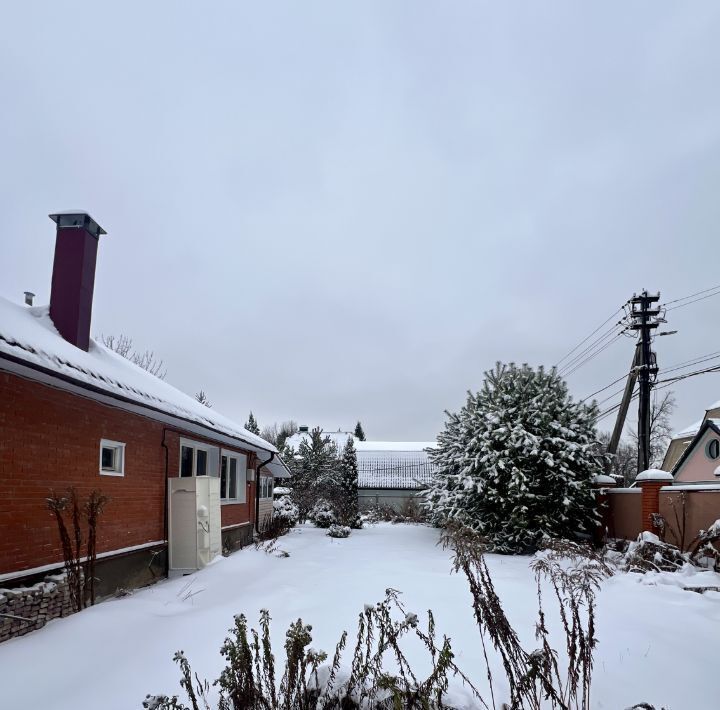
[[50, 438]]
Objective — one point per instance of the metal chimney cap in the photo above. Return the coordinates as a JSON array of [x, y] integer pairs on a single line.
[[77, 218]]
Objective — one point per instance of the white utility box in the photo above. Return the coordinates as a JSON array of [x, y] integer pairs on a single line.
[[194, 527]]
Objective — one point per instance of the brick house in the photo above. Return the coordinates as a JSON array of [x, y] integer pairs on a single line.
[[183, 480]]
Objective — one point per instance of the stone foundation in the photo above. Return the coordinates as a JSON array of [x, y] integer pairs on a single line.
[[25, 609]]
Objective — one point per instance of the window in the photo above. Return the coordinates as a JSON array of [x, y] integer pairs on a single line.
[[112, 458], [712, 450], [233, 477], [266, 486], [198, 459], [187, 457]]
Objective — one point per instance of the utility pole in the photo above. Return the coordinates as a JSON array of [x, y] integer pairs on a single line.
[[624, 405], [645, 318]]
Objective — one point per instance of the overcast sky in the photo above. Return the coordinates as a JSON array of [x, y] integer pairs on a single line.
[[339, 211]]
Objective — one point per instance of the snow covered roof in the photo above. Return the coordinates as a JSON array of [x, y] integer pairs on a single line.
[[28, 335], [388, 467], [367, 446], [694, 428], [339, 438]]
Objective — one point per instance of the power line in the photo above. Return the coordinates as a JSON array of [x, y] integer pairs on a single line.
[[593, 355], [692, 295], [614, 408], [614, 382], [670, 380], [602, 325], [603, 336], [610, 396], [702, 298], [689, 363]]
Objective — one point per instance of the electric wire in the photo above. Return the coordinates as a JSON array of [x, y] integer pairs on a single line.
[[589, 348], [692, 295], [602, 389], [593, 355], [582, 342]]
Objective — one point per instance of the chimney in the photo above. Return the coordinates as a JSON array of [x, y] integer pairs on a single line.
[[29, 295], [73, 277], [304, 430]]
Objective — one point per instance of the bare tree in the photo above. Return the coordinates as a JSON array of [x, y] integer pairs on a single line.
[[623, 463], [277, 434], [661, 430], [203, 399], [147, 360]]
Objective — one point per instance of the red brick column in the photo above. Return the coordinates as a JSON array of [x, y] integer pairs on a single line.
[[651, 482]]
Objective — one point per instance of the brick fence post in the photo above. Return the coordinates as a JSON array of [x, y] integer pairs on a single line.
[[601, 483], [651, 481]]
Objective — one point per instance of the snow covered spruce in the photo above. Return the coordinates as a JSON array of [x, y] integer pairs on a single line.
[[324, 483], [516, 463]]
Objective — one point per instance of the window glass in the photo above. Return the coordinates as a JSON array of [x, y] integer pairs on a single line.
[[713, 449], [223, 477], [201, 462], [108, 458], [186, 461], [232, 493]]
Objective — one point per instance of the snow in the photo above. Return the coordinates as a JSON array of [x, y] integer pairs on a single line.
[[695, 428], [603, 480], [28, 334], [688, 431], [398, 446], [655, 638], [654, 474], [401, 468]]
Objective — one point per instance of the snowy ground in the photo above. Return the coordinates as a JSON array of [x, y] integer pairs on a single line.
[[658, 642]]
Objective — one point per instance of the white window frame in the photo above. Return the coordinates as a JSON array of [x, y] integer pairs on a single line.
[[212, 459], [119, 447], [265, 483], [240, 482]]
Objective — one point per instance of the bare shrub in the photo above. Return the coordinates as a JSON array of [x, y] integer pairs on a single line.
[[147, 360], [80, 569], [310, 682], [248, 681], [534, 679], [273, 527]]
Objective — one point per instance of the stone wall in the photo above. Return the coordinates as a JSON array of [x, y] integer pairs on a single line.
[[25, 609]]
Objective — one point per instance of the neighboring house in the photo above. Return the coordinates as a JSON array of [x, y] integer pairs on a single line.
[[700, 461], [682, 439], [181, 477], [390, 473]]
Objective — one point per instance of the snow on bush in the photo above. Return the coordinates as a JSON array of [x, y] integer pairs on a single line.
[[285, 508], [322, 514], [338, 531], [516, 463]]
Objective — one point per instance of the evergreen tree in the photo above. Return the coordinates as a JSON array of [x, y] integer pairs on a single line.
[[251, 425], [347, 504], [314, 471], [359, 433], [516, 463]]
